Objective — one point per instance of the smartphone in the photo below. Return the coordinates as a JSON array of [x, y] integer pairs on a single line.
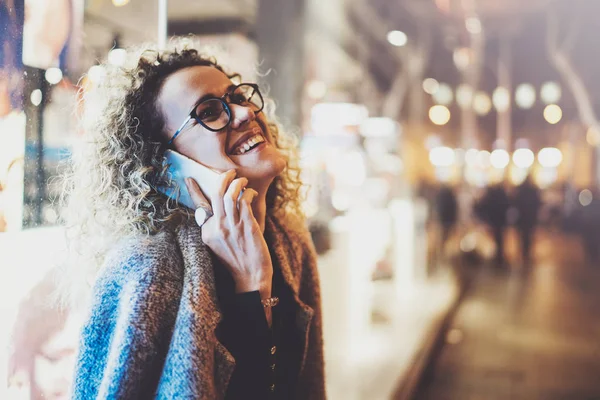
[[181, 167]]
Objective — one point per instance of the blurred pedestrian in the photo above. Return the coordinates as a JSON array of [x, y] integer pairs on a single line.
[[527, 201], [492, 209], [446, 208]]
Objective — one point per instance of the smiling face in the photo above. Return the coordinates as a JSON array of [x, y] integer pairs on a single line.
[[244, 145]]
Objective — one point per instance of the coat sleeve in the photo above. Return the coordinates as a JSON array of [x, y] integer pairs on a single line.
[[312, 380], [125, 340]]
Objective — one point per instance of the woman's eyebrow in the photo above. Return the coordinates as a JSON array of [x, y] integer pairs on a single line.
[[211, 95]]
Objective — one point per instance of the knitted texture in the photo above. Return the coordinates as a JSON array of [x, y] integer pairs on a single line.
[[151, 328]]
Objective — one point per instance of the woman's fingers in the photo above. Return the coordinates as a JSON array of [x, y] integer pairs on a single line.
[[197, 196], [231, 198], [245, 204], [225, 180]]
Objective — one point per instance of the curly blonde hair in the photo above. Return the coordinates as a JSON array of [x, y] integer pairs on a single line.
[[110, 189]]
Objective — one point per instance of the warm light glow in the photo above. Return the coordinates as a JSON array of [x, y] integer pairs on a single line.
[[523, 158], [593, 137], [471, 156], [397, 38], [433, 141], [120, 3], [553, 114], [431, 86], [462, 57], [482, 103], [550, 92], [473, 25], [501, 99], [525, 96], [586, 197], [442, 156], [334, 118], [550, 157], [53, 75], [464, 96], [378, 127], [316, 89], [117, 57], [500, 158], [439, 115], [443, 95], [483, 158]]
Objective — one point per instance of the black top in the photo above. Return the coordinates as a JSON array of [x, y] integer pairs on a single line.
[[267, 359]]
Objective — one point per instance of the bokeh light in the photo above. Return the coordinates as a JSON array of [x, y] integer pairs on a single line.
[[523, 158], [586, 197], [501, 99], [550, 92], [553, 114], [473, 25], [484, 159], [53, 75], [36, 97], [500, 158], [593, 136], [316, 89], [471, 157], [464, 95], [397, 38], [439, 115], [525, 96], [550, 157], [443, 95], [442, 156], [482, 104], [431, 86]]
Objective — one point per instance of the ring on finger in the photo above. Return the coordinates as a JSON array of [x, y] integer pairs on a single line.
[[201, 216]]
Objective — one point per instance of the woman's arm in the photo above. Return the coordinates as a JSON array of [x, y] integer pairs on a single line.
[[126, 338]]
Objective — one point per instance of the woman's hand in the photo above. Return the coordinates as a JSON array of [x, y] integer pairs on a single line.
[[234, 235]]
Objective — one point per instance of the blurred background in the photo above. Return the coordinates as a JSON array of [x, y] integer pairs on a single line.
[[450, 150]]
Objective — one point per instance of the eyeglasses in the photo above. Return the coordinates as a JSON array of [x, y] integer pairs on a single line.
[[214, 113]]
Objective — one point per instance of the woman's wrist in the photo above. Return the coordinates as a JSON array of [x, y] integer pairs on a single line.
[[262, 284]]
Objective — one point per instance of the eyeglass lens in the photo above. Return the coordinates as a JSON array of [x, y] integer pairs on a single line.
[[213, 114]]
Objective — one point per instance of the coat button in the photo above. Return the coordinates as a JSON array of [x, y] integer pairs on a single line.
[[272, 367], [273, 349], [272, 388]]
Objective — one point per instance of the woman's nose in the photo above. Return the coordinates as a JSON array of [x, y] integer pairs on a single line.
[[240, 115]]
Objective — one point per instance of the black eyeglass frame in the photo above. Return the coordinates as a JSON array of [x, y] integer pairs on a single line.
[[226, 107]]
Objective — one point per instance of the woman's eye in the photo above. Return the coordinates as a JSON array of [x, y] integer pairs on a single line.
[[238, 99], [208, 113]]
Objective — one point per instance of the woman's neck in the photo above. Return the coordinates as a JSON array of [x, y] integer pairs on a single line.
[[259, 209]]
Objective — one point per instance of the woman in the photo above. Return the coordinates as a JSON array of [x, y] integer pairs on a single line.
[[230, 309]]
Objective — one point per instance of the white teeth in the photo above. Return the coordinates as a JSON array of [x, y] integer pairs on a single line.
[[244, 147]]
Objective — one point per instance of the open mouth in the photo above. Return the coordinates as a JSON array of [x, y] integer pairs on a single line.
[[248, 142]]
